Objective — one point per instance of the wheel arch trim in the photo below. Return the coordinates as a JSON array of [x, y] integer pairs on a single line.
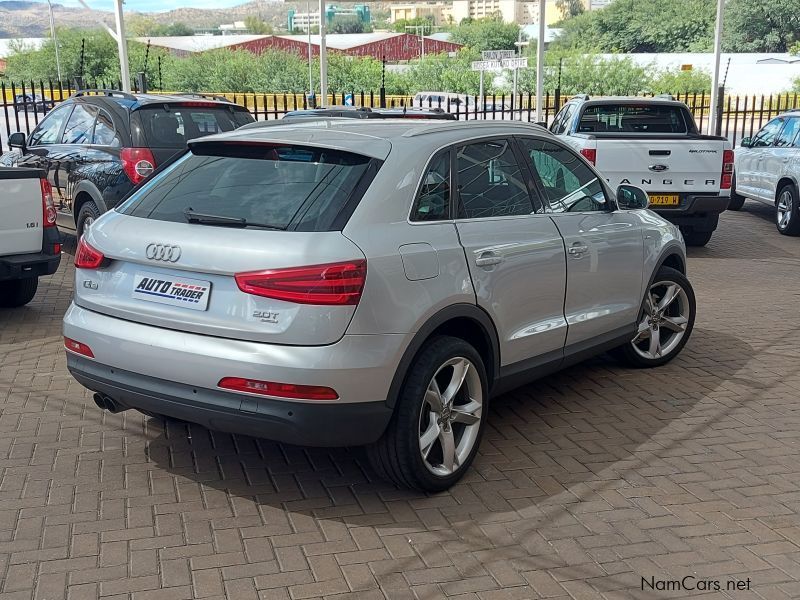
[[437, 320], [87, 187]]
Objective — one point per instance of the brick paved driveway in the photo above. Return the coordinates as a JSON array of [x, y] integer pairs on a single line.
[[587, 481]]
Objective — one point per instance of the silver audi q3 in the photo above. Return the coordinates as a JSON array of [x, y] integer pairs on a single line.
[[369, 283]]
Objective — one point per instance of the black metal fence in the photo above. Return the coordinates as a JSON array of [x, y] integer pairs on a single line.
[[23, 105]]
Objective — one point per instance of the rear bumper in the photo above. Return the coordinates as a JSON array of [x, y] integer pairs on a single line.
[[23, 266], [695, 210], [306, 424], [176, 373]]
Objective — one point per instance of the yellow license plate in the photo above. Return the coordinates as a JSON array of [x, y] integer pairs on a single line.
[[665, 199]]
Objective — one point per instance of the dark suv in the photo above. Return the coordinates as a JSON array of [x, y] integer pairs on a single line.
[[98, 144]]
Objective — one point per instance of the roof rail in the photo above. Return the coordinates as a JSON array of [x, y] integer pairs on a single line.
[[665, 96], [206, 96], [581, 96], [489, 124], [103, 92]]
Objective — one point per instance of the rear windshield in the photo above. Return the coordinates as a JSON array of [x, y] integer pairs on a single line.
[[296, 188], [632, 118], [171, 126]]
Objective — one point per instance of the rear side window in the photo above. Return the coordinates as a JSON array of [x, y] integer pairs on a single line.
[[174, 125], [788, 133], [296, 188], [104, 132], [80, 124], [433, 200], [633, 118]]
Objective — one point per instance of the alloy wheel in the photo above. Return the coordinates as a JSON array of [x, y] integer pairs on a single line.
[[784, 208], [663, 325], [450, 419]]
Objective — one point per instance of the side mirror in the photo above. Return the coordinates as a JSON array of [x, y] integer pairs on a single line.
[[746, 142], [17, 140], [630, 197]]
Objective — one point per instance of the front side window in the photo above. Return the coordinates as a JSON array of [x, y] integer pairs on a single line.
[[48, 130], [568, 182], [80, 125], [768, 133], [490, 183], [788, 134], [433, 200]]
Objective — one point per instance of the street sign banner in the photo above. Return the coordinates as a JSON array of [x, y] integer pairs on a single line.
[[486, 65], [497, 54], [515, 63]]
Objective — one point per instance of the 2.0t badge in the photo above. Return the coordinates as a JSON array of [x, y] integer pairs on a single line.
[[163, 252]]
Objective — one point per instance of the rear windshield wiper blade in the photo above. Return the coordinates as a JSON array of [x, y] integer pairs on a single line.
[[221, 220]]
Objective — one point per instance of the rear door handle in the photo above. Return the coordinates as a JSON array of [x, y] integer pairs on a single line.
[[577, 249], [488, 258]]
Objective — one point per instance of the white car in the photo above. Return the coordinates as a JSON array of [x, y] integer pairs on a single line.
[[768, 170]]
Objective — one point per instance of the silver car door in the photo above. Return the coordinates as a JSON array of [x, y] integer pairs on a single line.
[[515, 254], [604, 246]]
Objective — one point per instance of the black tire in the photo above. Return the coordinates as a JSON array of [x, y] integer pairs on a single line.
[[696, 238], [628, 354], [737, 201], [397, 455], [791, 225], [18, 292], [88, 213]]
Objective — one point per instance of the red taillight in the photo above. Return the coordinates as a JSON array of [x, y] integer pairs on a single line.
[[87, 257], [56, 248], [589, 154], [331, 284], [279, 390], [78, 347], [48, 208], [727, 169], [138, 163]]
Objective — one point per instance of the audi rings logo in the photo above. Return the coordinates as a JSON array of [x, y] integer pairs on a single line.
[[163, 252]]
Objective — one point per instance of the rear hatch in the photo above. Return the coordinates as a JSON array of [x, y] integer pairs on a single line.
[[166, 128], [655, 146], [235, 241], [21, 209]]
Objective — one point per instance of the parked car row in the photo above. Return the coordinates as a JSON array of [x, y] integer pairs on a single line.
[[362, 277]]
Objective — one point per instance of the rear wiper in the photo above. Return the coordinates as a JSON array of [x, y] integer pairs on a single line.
[[221, 220]]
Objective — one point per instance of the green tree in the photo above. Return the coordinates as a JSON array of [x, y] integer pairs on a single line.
[[570, 8], [675, 81], [642, 26], [486, 34], [424, 23], [761, 25], [440, 72], [346, 24], [256, 26]]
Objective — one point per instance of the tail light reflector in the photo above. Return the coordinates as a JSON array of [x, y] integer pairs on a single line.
[[48, 208], [138, 163], [279, 390], [727, 170], [78, 347], [329, 284], [590, 154], [87, 257]]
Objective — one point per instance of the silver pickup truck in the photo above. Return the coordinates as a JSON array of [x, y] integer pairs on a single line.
[[30, 245]]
